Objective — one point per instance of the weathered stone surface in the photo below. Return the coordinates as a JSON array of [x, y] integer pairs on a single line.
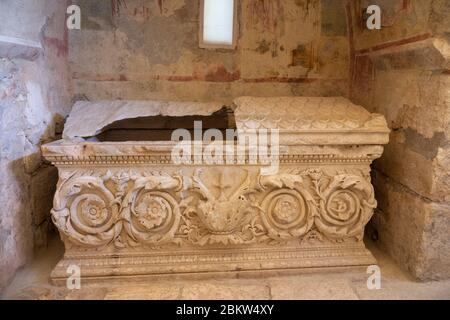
[[206, 91], [15, 48], [312, 288], [90, 293], [33, 283], [87, 119], [225, 291], [420, 121], [32, 92], [312, 120], [156, 291], [22, 21], [43, 186], [435, 257], [401, 71], [413, 230], [441, 183]]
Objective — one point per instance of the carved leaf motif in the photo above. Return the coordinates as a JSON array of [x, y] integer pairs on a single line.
[[161, 183], [281, 180], [221, 220], [346, 206], [185, 202], [200, 187], [75, 189], [145, 208], [349, 181]]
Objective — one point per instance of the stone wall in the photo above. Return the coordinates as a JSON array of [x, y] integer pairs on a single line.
[[34, 98], [136, 49], [403, 72]]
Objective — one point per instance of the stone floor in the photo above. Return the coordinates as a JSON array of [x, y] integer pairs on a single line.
[[32, 282]]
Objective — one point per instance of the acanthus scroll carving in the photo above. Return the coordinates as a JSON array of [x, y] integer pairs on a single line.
[[151, 215], [86, 211], [345, 203], [288, 211], [157, 208]]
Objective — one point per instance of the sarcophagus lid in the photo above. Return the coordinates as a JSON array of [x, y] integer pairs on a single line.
[[299, 120], [312, 120]]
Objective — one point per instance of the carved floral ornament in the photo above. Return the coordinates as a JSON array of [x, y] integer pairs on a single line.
[[129, 209]]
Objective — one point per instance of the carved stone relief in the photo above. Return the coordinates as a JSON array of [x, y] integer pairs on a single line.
[[155, 208]]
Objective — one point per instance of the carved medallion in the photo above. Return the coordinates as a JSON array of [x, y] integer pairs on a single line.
[[86, 211], [286, 214], [346, 206], [150, 212]]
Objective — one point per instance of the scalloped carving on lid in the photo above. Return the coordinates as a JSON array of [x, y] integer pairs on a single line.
[[306, 114]]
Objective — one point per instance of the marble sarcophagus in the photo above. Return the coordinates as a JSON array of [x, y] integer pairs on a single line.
[[125, 208]]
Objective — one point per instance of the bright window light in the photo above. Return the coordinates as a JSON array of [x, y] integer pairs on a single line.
[[218, 22]]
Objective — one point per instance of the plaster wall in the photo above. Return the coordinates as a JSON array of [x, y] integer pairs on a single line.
[[135, 49], [34, 98]]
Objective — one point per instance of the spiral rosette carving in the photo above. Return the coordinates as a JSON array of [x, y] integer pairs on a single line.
[[346, 206], [287, 214], [151, 216], [86, 212]]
